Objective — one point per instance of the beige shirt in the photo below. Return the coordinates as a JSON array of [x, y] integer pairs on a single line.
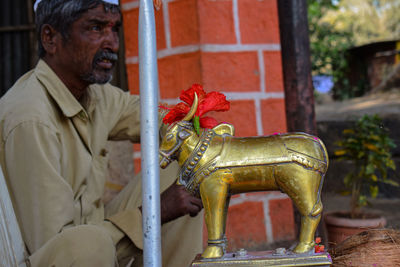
[[54, 158]]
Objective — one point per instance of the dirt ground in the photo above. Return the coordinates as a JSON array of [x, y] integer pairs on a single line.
[[386, 104]]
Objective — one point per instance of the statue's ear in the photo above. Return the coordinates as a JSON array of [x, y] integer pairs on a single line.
[[183, 134], [224, 129], [163, 130]]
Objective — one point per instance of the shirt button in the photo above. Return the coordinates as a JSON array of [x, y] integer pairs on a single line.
[[82, 116], [103, 152]]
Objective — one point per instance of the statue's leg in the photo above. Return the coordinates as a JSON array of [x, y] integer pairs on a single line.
[[304, 191], [225, 216], [214, 195]]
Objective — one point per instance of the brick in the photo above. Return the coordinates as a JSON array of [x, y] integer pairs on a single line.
[[137, 165], [241, 115], [126, 1], [231, 71], [169, 77], [137, 162], [216, 22], [246, 226], [273, 71], [184, 26], [136, 147], [132, 71], [160, 30], [261, 194], [258, 21], [130, 21], [177, 73], [282, 219], [273, 116]]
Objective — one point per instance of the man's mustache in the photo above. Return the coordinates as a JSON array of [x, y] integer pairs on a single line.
[[105, 55]]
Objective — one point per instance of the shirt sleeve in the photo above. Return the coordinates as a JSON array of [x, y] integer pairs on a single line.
[[127, 109], [44, 201], [127, 126], [130, 223]]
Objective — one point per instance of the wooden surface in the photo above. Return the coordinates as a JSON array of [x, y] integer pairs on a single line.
[[299, 92], [12, 249]]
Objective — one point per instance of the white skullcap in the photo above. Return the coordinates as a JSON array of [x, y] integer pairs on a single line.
[[114, 2]]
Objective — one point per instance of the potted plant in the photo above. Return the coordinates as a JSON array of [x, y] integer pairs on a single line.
[[368, 146]]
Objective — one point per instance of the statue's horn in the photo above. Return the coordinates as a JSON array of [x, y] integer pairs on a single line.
[[192, 110]]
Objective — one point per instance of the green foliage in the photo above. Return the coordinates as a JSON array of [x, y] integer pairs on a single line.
[[326, 43], [328, 46], [368, 146], [335, 26]]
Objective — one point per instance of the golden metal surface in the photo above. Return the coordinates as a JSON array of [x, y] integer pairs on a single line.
[[216, 165]]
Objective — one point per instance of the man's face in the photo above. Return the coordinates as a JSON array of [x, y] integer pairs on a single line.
[[90, 51]]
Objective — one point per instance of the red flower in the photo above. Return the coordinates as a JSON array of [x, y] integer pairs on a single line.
[[319, 248], [212, 101]]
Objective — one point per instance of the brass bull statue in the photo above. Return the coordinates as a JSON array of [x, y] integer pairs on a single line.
[[216, 165]]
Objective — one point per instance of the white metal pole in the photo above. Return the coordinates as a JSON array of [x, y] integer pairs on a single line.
[[148, 78]]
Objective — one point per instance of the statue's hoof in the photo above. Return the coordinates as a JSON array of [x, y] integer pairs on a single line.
[[212, 252], [303, 247]]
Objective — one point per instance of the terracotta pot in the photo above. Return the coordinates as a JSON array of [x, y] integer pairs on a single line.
[[339, 226]]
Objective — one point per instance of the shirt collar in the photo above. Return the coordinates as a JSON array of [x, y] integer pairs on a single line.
[[68, 104]]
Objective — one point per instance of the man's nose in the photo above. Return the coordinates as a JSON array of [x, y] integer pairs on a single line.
[[111, 41]]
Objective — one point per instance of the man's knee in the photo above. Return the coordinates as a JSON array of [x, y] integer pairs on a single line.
[[84, 245], [91, 244]]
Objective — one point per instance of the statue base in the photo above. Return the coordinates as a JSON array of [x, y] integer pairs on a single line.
[[278, 257]]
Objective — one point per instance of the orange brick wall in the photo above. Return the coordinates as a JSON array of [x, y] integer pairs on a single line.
[[231, 46]]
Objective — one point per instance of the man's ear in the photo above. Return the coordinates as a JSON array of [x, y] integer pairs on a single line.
[[49, 37]]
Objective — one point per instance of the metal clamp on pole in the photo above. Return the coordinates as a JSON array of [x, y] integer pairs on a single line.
[[148, 78]]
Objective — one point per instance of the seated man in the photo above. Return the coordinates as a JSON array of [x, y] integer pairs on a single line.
[[55, 122]]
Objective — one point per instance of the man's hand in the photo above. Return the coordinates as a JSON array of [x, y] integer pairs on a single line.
[[177, 202]]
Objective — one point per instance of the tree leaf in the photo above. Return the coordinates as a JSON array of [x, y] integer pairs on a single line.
[[348, 180], [348, 131], [370, 169], [345, 193], [340, 152], [362, 201], [374, 190], [391, 182]]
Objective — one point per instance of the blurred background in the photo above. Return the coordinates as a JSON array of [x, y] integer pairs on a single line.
[[288, 65]]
